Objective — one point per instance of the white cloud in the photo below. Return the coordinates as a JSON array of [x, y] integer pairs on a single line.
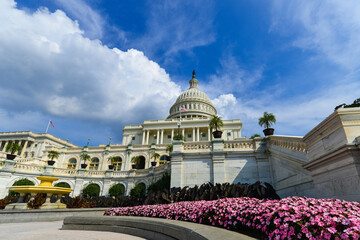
[[331, 28], [48, 66]]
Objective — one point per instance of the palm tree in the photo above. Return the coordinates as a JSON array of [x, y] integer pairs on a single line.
[[154, 156], [12, 147], [136, 161], [169, 148], [53, 154], [216, 122], [85, 157], [267, 120]]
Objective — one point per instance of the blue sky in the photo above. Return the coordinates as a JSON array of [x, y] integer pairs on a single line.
[[94, 66]]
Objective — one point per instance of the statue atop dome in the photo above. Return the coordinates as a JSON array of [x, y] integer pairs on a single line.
[[193, 82]]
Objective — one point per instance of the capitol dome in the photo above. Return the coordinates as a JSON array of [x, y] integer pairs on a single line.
[[196, 102]]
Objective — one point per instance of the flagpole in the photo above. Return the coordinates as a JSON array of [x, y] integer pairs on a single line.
[[47, 128]]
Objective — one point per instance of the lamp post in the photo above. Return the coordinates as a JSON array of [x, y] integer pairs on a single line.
[[88, 142], [179, 124]]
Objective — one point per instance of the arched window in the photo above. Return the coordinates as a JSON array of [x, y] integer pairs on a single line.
[[163, 160], [117, 164], [72, 163], [94, 165]]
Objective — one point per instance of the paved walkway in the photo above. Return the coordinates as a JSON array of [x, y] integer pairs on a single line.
[[51, 230]]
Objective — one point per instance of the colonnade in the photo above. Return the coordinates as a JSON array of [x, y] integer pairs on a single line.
[[23, 143], [159, 134]]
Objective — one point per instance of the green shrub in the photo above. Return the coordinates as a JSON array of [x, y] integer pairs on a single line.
[[162, 184], [62, 184], [92, 190], [138, 191], [117, 190], [21, 182]]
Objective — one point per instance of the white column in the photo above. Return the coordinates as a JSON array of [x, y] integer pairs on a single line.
[[143, 139], [172, 134], [23, 150], [183, 132], [209, 136], [162, 136], [147, 136], [198, 134], [6, 143], [157, 136], [193, 134]]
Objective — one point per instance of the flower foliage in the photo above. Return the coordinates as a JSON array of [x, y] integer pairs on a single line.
[[289, 218]]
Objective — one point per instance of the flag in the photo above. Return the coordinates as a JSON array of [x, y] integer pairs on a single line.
[[183, 108], [51, 124]]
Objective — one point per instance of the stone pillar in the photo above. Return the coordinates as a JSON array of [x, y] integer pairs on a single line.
[[172, 134], [183, 132], [6, 143], [209, 134], [162, 136], [157, 137], [218, 159], [78, 184], [147, 136], [198, 135], [24, 148], [176, 165], [143, 138], [193, 134], [48, 170]]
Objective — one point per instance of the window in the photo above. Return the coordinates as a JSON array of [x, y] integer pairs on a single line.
[[169, 136], [94, 165], [229, 134], [203, 135], [189, 135], [133, 138], [163, 160], [117, 164], [72, 163]]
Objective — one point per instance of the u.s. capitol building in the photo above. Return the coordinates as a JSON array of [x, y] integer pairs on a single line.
[[323, 163]]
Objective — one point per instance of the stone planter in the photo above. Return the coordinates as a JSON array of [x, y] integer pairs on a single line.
[[51, 162], [268, 131], [10, 156], [153, 164], [83, 165], [217, 134]]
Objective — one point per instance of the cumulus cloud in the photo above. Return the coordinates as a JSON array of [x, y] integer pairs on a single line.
[[47, 65]]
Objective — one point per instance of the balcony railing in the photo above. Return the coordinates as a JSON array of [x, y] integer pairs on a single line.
[[292, 143]]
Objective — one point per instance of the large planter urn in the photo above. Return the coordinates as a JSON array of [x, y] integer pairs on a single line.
[[83, 165], [268, 131], [111, 167], [10, 156], [51, 162], [153, 164], [217, 134]]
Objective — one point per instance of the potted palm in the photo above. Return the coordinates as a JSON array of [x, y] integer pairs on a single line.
[[85, 157], [112, 160], [52, 155], [154, 156], [169, 149], [216, 123], [13, 148], [135, 162], [267, 120]]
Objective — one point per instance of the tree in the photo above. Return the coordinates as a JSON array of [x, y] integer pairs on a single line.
[[62, 184], [254, 136], [138, 190], [112, 159], [136, 160], [117, 190], [21, 182], [85, 157], [155, 156], [267, 120], [53, 154], [169, 148], [13, 147], [216, 122], [92, 190]]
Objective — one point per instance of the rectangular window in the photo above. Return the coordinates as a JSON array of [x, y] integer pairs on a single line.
[[229, 134], [204, 135], [169, 136], [189, 135], [133, 138]]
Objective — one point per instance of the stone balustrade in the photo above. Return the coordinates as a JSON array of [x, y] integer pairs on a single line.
[[292, 143], [197, 146], [239, 145], [27, 168]]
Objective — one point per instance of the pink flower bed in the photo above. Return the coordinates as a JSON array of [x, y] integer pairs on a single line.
[[289, 218]]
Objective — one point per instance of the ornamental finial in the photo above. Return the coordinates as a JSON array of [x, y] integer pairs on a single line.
[[193, 73]]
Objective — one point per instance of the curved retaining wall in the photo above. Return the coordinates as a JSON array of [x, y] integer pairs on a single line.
[[151, 228]]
